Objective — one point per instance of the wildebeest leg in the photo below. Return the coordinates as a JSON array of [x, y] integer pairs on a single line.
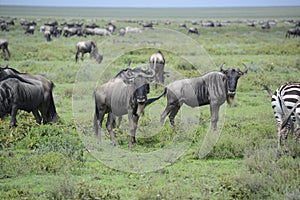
[[13, 119], [133, 120], [37, 116], [8, 52], [214, 112], [98, 119], [82, 56], [173, 114], [119, 121], [166, 112], [76, 56], [110, 124]]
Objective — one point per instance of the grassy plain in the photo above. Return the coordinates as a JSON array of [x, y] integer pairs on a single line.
[[51, 161]]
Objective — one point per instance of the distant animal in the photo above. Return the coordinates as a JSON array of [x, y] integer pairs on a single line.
[[90, 47], [47, 36], [193, 30], [4, 27], [125, 94], [122, 31], [110, 27], [286, 106], [17, 93], [4, 47], [292, 31], [266, 25], [157, 63], [213, 89], [101, 32], [48, 86], [129, 29], [30, 29]]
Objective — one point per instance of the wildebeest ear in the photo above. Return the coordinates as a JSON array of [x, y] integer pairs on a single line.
[[147, 88]]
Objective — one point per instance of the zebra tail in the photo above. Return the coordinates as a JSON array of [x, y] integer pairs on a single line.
[[268, 90]]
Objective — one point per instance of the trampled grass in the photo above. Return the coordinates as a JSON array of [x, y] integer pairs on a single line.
[[51, 162]]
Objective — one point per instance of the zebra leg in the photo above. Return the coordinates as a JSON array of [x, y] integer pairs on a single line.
[[279, 141], [285, 137]]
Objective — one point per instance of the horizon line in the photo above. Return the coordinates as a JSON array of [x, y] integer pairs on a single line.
[[258, 6]]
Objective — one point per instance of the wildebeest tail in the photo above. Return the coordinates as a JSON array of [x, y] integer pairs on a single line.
[[149, 101], [268, 90]]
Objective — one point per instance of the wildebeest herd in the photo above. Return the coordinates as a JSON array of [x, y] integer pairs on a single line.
[[127, 92]]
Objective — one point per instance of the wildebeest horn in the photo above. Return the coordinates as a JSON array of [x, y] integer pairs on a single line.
[[246, 70], [129, 63], [221, 67]]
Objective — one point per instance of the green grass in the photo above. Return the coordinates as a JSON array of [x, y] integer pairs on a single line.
[[51, 161]]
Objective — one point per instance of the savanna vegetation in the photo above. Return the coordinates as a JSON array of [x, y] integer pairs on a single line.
[[63, 161]]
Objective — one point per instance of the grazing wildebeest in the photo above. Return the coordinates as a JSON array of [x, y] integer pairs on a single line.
[[4, 27], [121, 96], [101, 32], [266, 25], [51, 115], [292, 31], [30, 30], [157, 63], [110, 27], [213, 89], [88, 47], [286, 106], [4, 47], [193, 30], [17, 93]]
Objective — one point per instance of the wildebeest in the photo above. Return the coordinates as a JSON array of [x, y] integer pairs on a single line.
[[90, 47], [47, 36], [193, 30], [17, 93], [129, 29], [157, 63], [286, 106], [4, 27], [4, 47], [110, 27], [102, 32], [121, 96], [292, 31], [30, 29], [266, 25], [213, 89], [51, 114]]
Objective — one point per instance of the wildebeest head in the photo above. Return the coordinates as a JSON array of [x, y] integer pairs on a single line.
[[233, 76], [141, 89], [139, 79]]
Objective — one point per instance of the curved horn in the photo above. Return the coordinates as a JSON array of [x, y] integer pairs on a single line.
[[221, 67], [151, 75], [246, 70]]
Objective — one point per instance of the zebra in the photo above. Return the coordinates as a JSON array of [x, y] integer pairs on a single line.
[[286, 106]]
